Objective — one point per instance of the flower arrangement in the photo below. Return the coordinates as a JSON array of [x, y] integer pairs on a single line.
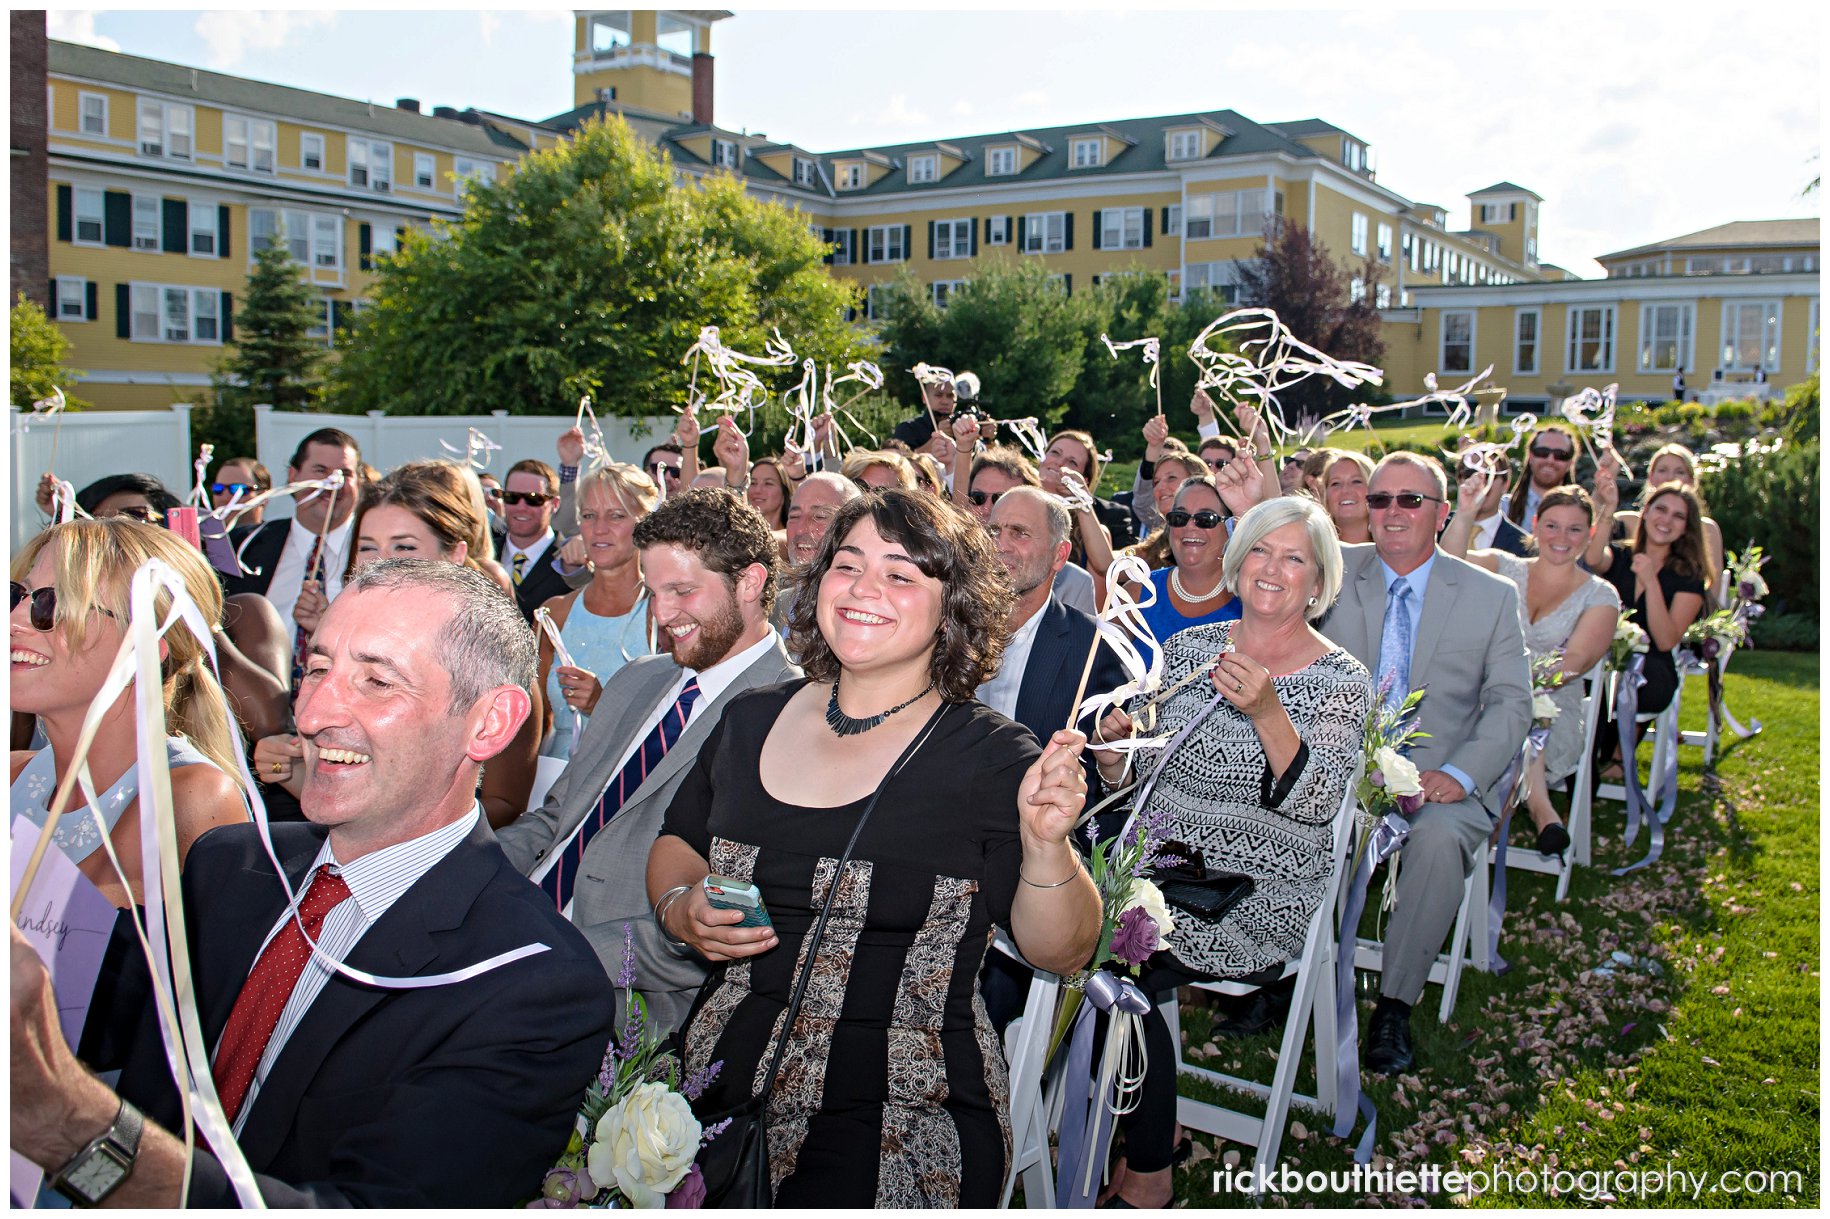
[[1730, 626], [1390, 784], [636, 1138], [1629, 638], [1707, 636], [1746, 585], [1134, 918], [1547, 676]]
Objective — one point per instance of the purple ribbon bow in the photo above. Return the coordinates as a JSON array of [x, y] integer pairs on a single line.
[[1086, 1118]]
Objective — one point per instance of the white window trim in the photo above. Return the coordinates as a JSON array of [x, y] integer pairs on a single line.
[[804, 174], [1384, 243], [1776, 308], [323, 151], [1442, 340], [886, 230], [1182, 135], [927, 165], [1075, 147], [873, 294], [166, 110], [82, 299], [849, 175], [1687, 337], [100, 215], [192, 291], [375, 153], [315, 273], [430, 162], [1029, 230], [84, 97], [997, 230], [192, 207], [1611, 314], [994, 153], [252, 128], [133, 222], [1123, 214], [951, 286], [724, 154], [1537, 343], [462, 177], [956, 250], [1357, 241]]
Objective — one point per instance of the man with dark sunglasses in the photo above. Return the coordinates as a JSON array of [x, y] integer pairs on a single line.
[[526, 545], [1550, 463], [1417, 617], [246, 476]]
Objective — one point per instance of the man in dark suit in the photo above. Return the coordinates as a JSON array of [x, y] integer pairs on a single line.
[[1492, 531], [345, 1092], [709, 560], [527, 546]]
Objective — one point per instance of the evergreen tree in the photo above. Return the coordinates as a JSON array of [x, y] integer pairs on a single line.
[[274, 360]]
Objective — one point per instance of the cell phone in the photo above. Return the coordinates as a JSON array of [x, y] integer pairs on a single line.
[[183, 522], [727, 894]]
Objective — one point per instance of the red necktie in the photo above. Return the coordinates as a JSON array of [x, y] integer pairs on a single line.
[[270, 984]]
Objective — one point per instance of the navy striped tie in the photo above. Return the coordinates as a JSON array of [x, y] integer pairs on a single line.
[[560, 879]]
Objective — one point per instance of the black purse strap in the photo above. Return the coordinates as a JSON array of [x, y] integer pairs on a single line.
[[819, 928]]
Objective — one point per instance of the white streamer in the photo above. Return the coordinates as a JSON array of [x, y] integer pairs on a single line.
[[596, 452], [475, 443], [1120, 622], [543, 617], [1269, 360], [200, 490]]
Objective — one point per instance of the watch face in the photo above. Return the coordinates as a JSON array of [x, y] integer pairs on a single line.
[[97, 1175]]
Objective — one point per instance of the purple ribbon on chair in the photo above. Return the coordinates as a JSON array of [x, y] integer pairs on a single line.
[[1378, 844], [1535, 740], [1626, 714], [1086, 1117]]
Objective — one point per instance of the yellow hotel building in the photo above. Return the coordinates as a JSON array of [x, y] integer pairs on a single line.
[[160, 175]]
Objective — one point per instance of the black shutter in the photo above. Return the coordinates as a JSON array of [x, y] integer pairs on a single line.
[[1067, 283], [908, 238], [826, 235], [52, 309], [117, 218], [228, 317], [177, 235], [855, 250], [64, 209], [1067, 232], [339, 318], [975, 241], [1022, 231], [91, 291], [1512, 211], [123, 313], [1146, 228], [364, 238], [222, 231], [931, 240], [1098, 232], [1165, 222]]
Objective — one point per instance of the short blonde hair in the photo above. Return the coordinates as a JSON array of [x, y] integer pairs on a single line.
[[628, 485], [1273, 515]]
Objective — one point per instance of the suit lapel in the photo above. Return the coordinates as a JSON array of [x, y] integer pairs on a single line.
[[1371, 585], [768, 668], [1049, 653], [655, 679], [243, 937], [1438, 611]]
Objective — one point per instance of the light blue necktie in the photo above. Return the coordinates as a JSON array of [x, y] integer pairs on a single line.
[[1395, 644]]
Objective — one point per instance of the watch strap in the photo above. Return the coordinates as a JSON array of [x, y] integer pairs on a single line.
[[120, 1142]]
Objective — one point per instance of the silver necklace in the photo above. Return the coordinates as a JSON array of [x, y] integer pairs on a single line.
[[1175, 582], [846, 725]]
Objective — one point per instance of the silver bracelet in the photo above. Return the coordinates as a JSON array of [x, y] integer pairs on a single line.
[[1070, 876], [660, 916]]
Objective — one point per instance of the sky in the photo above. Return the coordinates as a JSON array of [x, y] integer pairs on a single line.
[[1634, 123]]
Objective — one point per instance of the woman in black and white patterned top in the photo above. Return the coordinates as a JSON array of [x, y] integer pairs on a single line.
[[1255, 787]]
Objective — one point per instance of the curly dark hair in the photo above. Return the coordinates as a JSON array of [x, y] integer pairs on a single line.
[[720, 527], [948, 545]]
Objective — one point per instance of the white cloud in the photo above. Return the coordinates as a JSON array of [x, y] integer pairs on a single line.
[[962, 109], [78, 25], [231, 33], [900, 114]]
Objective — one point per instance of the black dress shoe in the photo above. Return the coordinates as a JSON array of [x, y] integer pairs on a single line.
[[1553, 839], [1388, 1042], [1267, 1008]]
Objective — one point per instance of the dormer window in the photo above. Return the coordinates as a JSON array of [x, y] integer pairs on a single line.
[[724, 153], [922, 168], [1000, 162], [609, 31], [851, 175], [1354, 155], [803, 172], [1184, 145], [1088, 154]]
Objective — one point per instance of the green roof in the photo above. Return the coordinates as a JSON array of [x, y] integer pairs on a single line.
[[1505, 188], [1750, 233]]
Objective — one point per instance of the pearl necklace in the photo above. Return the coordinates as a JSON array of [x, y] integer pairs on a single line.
[[1175, 583]]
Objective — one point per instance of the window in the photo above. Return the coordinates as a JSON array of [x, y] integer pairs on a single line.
[[1121, 228], [609, 31], [997, 230], [851, 175], [92, 111], [1457, 341], [72, 299], [1184, 145], [1000, 162], [384, 240], [1750, 335], [247, 143], [1228, 214], [314, 239], [921, 169], [371, 164], [464, 169], [724, 153], [425, 171], [146, 222], [1200, 215], [88, 209], [1172, 219], [953, 239], [324, 320], [1359, 233], [1382, 297], [1356, 290], [841, 242], [326, 240], [203, 228], [1088, 154], [165, 129], [876, 298], [1665, 337], [1525, 324], [1214, 277], [1044, 233], [1499, 213], [169, 313], [944, 289], [1591, 339], [1385, 243], [886, 243], [311, 150], [1354, 156], [803, 172]]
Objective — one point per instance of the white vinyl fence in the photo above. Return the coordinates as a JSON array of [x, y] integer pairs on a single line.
[[91, 444]]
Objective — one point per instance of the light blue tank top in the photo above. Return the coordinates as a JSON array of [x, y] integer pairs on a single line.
[[76, 830], [602, 645]]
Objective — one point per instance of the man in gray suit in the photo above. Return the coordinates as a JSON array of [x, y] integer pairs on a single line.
[[709, 561], [1416, 616]]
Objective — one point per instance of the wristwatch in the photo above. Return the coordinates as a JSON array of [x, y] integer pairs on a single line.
[[94, 1172]]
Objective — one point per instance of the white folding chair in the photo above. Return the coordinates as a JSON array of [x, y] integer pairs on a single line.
[[1314, 971], [1467, 941], [1579, 804], [1029, 1104]]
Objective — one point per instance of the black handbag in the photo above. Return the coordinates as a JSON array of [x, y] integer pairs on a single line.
[[1191, 889], [735, 1164]]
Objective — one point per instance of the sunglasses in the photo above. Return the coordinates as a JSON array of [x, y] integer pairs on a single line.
[[145, 513], [1207, 518], [1404, 499], [662, 467], [230, 488], [1294, 460], [981, 498], [1539, 450], [44, 605], [532, 498]]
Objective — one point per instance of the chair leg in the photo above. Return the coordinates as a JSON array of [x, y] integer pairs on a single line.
[[1480, 890], [1458, 944]]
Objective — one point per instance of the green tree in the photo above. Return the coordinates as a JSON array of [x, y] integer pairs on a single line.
[[588, 271], [1012, 324], [38, 351], [272, 357]]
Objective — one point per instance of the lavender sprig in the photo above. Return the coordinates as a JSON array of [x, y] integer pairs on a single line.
[[695, 1085]]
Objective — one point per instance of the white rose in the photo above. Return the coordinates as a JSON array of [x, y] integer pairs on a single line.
[[1542, 708], [1400, 773], [1759, 583], [645, 1144], [1145, 894]]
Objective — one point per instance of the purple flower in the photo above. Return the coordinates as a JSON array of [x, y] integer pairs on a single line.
[[1409, 804], [1135, 937], [700, 1080], [689, 1194], [626, 978], [564, 1188], [1712, 647], [1376, 778], [1747, 590]]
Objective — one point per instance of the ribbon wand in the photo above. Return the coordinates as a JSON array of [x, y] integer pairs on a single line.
[[333, 483]]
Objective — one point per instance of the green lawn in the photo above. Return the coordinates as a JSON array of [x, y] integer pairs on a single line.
[[1701, 1055]]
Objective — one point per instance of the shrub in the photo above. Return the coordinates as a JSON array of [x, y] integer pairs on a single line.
[[1799, 414], [1786, 632], [1771, 499]]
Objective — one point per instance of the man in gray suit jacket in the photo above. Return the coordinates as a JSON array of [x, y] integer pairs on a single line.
[[1453, 628], [709, 561]]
